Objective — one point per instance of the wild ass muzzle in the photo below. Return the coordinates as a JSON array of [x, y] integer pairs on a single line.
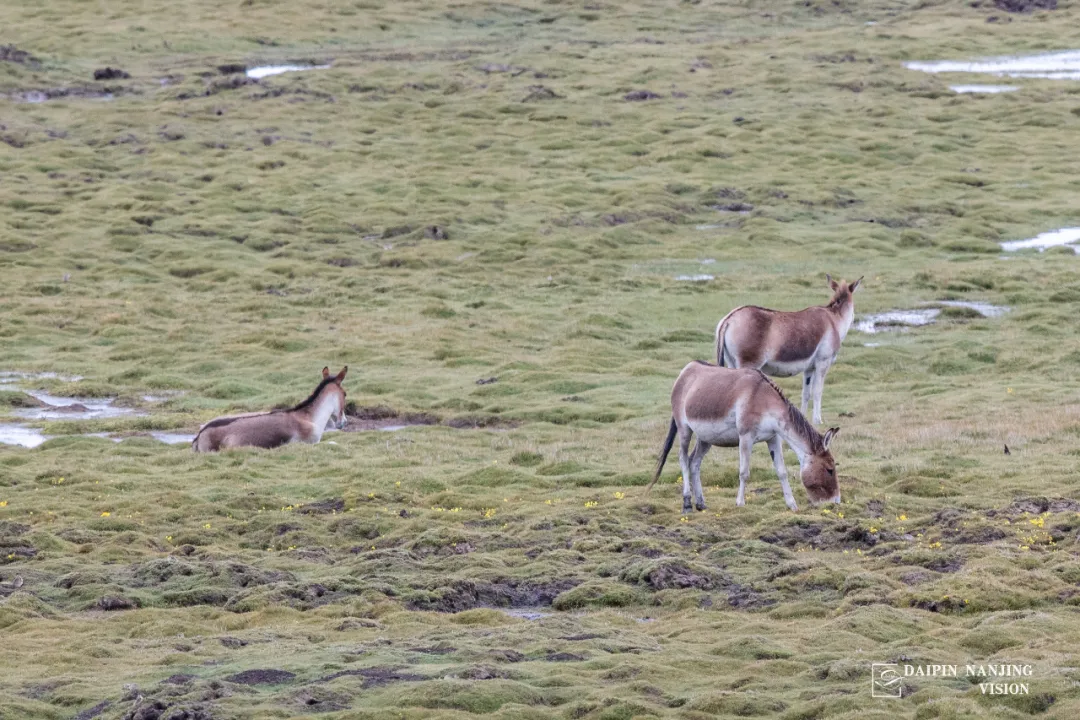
[[737, 408], [783, 344], [303, 423]]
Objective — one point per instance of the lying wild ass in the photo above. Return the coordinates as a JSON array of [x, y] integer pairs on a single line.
[[783, 344], [740, 407], [303, 423]]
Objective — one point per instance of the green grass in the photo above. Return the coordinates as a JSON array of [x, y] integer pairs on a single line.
[[226, 241]]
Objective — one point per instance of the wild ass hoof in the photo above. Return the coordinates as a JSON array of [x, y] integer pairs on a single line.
[[793, 507], [686, 507], [700, 505]]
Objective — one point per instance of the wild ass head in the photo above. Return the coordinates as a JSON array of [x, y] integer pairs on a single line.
[[333, 385], [842, 291], [818, 471]]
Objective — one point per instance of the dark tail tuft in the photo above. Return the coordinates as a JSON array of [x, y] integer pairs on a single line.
[[720, 332], [664, 453]]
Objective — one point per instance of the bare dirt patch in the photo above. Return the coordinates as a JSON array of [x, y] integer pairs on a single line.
[[261, 677], [460, 595], [375, 676], [10, 53]]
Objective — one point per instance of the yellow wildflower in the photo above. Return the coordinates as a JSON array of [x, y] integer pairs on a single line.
[[3, 503], [106, 514], [619, 495]]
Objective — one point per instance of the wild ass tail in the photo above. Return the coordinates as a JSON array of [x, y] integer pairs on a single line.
[[664, 453], [721, 331]]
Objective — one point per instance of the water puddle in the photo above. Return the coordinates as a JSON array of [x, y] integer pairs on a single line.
[[984, 309], [695, 278], [71, 408], [525, 613], [1054, 238], [19, 435], [900, 320], [13, 377], [170, 438], [1052, 66], [896, 320], [40, 96], [983, 88], [267, 70]]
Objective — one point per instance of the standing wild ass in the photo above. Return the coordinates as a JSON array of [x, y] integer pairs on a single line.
[[303, 423], [741, 407], [783, 344]]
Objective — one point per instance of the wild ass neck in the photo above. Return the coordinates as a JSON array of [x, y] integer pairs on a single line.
[[845, 313], [320, 412], [799, 435]]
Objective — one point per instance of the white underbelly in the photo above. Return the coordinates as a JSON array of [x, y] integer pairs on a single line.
[[786, 369], [717, 432]]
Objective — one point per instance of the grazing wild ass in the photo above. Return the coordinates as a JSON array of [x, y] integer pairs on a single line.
[[740, 407], [303, 423], [783, 344]]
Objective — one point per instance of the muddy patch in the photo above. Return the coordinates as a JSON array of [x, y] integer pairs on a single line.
[[375, 676], [261, 677], [822, 536], [93, 712], [640, 95], [1065, 237], [1038, 506], [111, 73], [1052, 66], [61, 93], [261, 71], [321, 700], [460, 595], [323, 507], [12, 54], [1025, 6], [381, 417]]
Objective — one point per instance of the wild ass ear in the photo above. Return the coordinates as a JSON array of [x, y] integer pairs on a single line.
[[855, 284], [829, 435], [325, 373], [341, 375], [832, 283]]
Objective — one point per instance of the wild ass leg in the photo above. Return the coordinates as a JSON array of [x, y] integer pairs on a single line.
[[695, 472], [684, 460], [819, 386], [776, 449], [807, 387], [746, 446]]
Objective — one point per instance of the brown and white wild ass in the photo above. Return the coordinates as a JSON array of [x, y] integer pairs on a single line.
[[783, 344], [738, 408], [303, 423]]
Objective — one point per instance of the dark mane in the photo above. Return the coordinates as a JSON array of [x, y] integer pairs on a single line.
[[798, 421], [314, 396]]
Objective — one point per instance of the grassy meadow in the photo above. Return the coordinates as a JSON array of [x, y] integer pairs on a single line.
[[188, 234]]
